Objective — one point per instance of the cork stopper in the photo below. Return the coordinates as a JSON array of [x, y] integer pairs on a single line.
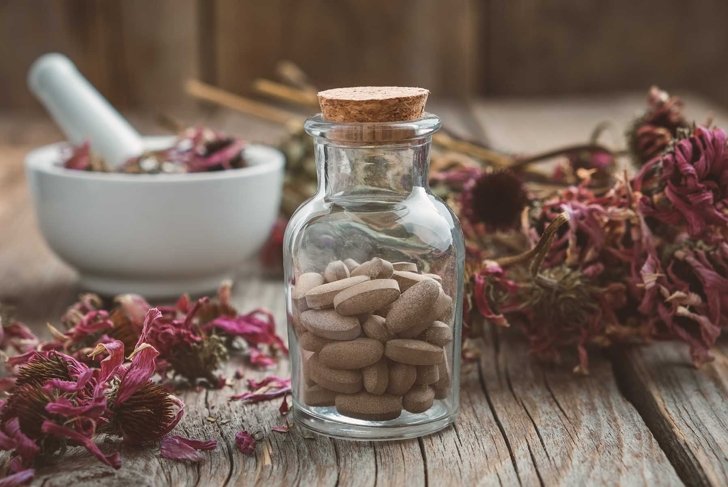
[[373, 104]]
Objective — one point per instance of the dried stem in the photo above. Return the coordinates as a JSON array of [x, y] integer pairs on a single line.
[[538, 253], [212, 94]]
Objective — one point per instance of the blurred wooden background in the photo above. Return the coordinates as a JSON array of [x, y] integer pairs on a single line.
[[138, 52]]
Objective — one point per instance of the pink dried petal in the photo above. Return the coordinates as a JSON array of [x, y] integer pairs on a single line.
[[18, 478], [51, 428], [18, 336], [260, 359], [176, 447], [257, 328], [12, 438], [137, 373], [284, 407], [284, 428], [245, 442], [270, 387], [109, 365]]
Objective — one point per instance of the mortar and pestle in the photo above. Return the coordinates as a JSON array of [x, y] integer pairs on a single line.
[[158, 235]]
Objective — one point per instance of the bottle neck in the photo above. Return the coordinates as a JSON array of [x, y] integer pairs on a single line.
[[372, 171]]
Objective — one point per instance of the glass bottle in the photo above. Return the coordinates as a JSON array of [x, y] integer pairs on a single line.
[[373, 211]]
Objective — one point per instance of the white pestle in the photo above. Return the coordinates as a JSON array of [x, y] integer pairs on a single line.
[[80, 110]]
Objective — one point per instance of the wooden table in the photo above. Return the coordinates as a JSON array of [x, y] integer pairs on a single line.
[[643, 416]]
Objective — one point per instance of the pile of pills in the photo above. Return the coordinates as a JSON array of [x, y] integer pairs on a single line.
[[372, 338]]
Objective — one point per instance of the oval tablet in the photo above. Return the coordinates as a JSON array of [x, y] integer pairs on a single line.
[[427, 374], [311, 342], [329, 324], [413, 307], [352, 354], [417, 330], [374, 268], [366, 297], [304, 283], [436, 277], [442, 386], [374, 327], [419, 399], [346, 381], [316, 395], [351, 264], [404, 266], [376, 378], [368, 406], [401, 378], [442, 305], [407, 279], [413, 352], [335, 271], [439, 334], [323, 296]]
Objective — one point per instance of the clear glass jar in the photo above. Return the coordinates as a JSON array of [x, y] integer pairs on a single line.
[[353, 366]]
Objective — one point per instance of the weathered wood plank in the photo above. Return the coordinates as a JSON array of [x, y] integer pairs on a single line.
[[686, 409]]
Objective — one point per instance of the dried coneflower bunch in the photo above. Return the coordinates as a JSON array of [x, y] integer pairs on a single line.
[[624, 259], [109, 373]]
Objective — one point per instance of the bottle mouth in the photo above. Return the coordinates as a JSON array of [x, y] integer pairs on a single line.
[[372, 133]]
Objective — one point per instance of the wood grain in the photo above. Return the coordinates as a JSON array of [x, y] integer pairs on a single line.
[[685, 408], [520, 422]]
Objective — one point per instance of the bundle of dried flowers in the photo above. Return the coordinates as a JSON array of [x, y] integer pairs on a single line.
[[638, 259], [77, 386]]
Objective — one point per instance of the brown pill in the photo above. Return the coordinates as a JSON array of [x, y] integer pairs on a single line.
[[413, 307], [436, 277], [401, 378], [322, 296], [316, 395], [417, 330], [368, 406], [304, 283], [376, 378], [442, 305], [351, 264], [327, 323], [306, 359], [419, 399], [346, 381], [353, 354], [439, 334], [375, 268], [404, 266], [384, 311], [366, 297], [407, 279], [335, 271], [295, 322], [442, 386], [427, 374], [413, 352], [311, 342], [374, 327]]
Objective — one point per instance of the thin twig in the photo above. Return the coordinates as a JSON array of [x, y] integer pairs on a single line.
[[212, 94], [538, 253]]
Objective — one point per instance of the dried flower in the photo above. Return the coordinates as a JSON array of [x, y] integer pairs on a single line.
[[268, 388], [688, 186], [495, 199], [245, 442], [652, 133], [176, 447], [190, 351]]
